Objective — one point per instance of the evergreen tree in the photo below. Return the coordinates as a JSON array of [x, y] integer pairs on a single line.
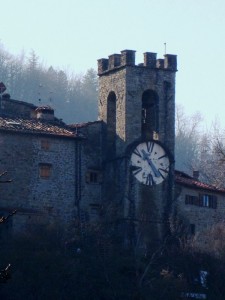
[[28, 80]]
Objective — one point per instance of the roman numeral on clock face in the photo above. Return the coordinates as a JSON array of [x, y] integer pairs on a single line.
[[136, 151], [150, 146], [149, 180], [163, 172], [162, 156], [136, 170]]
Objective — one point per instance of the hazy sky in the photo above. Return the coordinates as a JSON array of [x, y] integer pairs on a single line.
[[75, 33]]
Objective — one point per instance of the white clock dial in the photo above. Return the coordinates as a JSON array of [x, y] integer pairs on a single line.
[[149, 163]]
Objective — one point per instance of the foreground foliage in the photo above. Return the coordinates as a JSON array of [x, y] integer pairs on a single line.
[[46, 266]]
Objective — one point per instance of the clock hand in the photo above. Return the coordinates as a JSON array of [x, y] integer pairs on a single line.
[[146, 157]]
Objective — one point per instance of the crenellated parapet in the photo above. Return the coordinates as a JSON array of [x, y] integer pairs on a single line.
[[127, 58]]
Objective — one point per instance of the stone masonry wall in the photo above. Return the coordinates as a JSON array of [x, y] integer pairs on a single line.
[[91, 161], [20, 156], [202, 217], [116, 82], [129, 83], [140, 79]]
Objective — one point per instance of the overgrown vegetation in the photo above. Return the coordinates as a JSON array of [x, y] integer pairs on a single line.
[[198, 148], [48, 266]]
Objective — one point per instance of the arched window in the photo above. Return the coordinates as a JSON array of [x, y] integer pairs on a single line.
[[150, 114], [111, 124]]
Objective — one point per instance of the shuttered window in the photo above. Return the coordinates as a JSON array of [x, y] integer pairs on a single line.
[[45, 171], [45, 145], [203, 200], [209, 201], [94, 177], [192, 200]]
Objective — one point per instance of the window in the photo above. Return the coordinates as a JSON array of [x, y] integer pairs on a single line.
[[45, 170], [94, 176], [192, 229], [45, 145], [204, 200], [208, 200], [192, 200], [95, 209]]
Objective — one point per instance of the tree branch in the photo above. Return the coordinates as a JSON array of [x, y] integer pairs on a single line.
[[4, 219]]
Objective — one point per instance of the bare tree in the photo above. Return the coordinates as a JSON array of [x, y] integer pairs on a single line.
[[4, 181], [197, 148], [188, 134], [211, 159]]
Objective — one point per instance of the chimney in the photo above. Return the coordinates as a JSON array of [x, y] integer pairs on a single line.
[[196, 175], [45, 113]]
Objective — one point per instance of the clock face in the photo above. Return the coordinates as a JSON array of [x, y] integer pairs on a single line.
[[149, 163]]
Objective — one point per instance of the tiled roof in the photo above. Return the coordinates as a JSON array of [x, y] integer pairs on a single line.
[[44, 107], [24, 103], [80, 125], [186, 180], [34, 126]]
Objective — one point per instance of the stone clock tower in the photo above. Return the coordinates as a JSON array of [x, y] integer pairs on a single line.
[[137, 107]]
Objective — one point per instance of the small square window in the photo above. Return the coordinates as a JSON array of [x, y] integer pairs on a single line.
[[94, 209], [45, 145], [205, 200], [192, 229], [191, 200], [45, 170], [94, 177]]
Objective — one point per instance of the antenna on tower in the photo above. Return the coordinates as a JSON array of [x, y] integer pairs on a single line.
[[165, 47], [50, 98], [2, 89]]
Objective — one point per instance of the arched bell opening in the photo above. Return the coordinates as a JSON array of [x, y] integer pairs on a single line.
[[150, 114], [111, 124]]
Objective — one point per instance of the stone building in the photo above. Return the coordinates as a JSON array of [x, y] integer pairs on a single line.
[[120, 167], [56, 169], [42, 156], [198, 204], [137, 108]]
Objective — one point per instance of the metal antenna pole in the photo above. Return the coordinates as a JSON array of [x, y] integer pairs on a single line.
[[2, 89], [39, 92]]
